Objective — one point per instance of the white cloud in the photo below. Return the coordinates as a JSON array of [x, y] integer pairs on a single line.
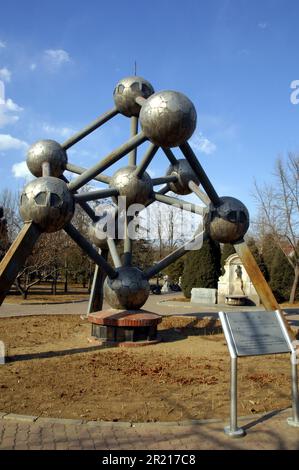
[[2, 45], [7, 142], [7, 108], [5, 74], [58, 131], [202, 144], [56, 57], [263, 25], [20, 170], [33, 67], [12, 106]]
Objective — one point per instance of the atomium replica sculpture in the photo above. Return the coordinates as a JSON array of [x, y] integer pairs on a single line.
[[167, 119]]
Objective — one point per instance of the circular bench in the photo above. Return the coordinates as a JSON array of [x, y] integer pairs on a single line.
[[237, 300], [125, 327]]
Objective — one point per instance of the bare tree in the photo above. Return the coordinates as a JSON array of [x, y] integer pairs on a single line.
[[278, 215], [9, 200]]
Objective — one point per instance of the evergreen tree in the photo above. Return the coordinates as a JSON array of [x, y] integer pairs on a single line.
[[268, 251], [281, 276], [258, 256], [176, 269], [202, 267]]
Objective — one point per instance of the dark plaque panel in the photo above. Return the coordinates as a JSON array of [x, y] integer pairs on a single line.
[[256, 333]]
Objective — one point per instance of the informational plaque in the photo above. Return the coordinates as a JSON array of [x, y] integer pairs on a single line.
[[254, 334], [257, 333]]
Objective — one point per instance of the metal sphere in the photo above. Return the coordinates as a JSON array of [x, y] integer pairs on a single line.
[[168, 118], [228, 222], [126, 92], [128, 291], [46, 151], [47, 202], [136, 189], [184, 173]]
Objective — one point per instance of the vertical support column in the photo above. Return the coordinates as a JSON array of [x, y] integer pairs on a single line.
[[134, 131], [294, 420], [233, 430], [96, 297], [128, 244]]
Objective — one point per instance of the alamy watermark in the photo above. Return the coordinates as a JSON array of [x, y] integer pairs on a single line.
[[157, 224], [294, 97]]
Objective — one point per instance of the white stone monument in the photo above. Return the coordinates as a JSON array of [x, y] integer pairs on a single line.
[[235, 282], [200, 295], [166, 287]]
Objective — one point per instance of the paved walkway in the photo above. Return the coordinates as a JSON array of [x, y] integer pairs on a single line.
[[161, 304], [263, 432]]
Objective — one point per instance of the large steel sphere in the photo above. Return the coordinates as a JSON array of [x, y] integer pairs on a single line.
[[184, 173], [228, 222], [46, 151], [168, 118], [136, 189], [126, 92], [47, 202], [129, 290]]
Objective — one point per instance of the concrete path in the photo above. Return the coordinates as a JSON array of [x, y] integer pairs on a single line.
[[161, 304], [263, 432]]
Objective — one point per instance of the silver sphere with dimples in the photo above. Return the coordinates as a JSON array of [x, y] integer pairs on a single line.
[[129, 290], [168, 118], [126, 92], [228, 222], [47, 202], [46, 151]]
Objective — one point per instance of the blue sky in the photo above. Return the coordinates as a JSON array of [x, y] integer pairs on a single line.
[[235, 59]]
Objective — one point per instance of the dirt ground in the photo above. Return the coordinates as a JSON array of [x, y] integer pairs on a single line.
[[55, 370]]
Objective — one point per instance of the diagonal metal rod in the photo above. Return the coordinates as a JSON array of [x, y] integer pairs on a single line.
[[163, 190], [113, 157], [134, 131], [180, 204], [96, 297], [196, 190], [90, 128], [261, 286], [148, 156], [169, 154], [200, 173], [128, 243], [113, 252], [140, 100], [89, 250], [79, 170], [94, 195], [164, 179], [16, 256], [172, 257], [89, 211], [86, 207]]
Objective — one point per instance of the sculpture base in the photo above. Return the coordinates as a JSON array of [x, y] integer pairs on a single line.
[[125, 327]]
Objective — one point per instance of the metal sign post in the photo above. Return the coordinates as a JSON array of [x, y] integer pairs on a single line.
[[254, 334], [232, 430]]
